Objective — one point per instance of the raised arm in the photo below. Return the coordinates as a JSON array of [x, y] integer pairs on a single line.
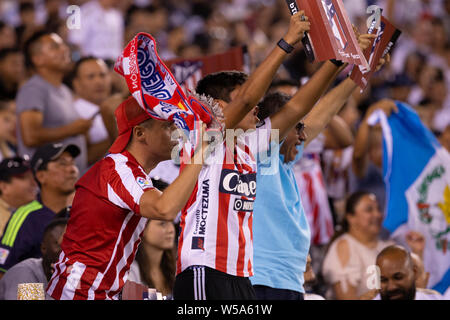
[[307, 96], [327, 108], [257, 84], [165, 205], [304, 99], [361, 145], [338, 134]]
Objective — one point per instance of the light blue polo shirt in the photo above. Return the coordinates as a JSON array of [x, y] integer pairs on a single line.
[[281, 235]]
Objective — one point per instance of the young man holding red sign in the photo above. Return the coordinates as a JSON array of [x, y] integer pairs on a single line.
[[215, 251]]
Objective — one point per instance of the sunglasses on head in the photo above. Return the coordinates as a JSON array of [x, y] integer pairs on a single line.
[[17, 162]]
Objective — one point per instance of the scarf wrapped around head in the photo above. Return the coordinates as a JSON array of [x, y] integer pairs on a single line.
[[155, 89]]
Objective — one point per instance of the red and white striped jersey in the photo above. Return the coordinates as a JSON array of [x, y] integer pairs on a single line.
[[216, 223], [103, 231]]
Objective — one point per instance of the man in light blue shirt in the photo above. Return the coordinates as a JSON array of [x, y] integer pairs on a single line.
[[281, 235], [280, 223]]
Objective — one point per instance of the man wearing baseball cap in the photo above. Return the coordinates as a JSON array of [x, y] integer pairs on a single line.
[[17, 187], [54, 169], [112, 204]]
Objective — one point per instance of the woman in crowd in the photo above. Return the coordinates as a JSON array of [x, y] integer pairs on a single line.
[[154, 265], [354, 248]]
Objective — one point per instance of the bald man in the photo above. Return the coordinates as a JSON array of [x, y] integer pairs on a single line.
[[398, 275]]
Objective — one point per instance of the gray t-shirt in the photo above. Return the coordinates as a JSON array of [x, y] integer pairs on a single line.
[[56, 105], [27, 271]]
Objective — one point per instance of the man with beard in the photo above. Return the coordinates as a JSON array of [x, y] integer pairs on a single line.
[[35, 270], [398, 276]]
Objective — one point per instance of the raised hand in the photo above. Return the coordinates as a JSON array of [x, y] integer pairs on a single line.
[[298, 25]]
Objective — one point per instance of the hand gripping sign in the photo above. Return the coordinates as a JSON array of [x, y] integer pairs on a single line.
[[155, 89], [387, 35], [331, 35]]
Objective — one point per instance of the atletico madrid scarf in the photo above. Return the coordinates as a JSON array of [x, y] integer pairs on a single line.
[[155, 89]]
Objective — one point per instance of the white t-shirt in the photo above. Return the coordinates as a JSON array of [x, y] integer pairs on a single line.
[[101, 31], [356, 271], [87, 110]]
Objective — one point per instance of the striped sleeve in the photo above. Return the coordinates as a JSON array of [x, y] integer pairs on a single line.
[[127, 184]]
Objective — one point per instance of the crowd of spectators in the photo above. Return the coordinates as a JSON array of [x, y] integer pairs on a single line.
[[57, 84]]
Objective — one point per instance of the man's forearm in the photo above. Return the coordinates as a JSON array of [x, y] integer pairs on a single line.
[[327, 108], [34, 137], [305, 98], [174, 197], [254, 88], [307, 95]]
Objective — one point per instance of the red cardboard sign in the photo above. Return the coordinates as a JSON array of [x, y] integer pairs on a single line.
[[387, 35], [331, 33]]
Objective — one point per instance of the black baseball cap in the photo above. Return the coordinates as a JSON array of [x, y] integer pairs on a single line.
[[50, 152], [12, 167]]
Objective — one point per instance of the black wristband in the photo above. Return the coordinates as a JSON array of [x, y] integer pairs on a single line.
[[285, 46], [337, 63]]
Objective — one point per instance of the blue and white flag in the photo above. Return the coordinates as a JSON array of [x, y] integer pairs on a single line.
[[416, 171]]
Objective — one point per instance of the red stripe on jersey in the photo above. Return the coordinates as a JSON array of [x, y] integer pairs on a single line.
[[241, 254], [60, 282], [125, 269], [222, 227], [222, 233], [111, 274], [120, 189], [250, 226], [86, 280]]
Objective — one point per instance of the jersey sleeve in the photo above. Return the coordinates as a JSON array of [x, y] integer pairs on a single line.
[[126, 187], [259, 140]]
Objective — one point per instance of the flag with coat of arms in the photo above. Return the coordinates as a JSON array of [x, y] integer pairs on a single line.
[[416, 171]]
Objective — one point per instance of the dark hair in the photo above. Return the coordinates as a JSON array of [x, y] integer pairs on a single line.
[[4, 53], [26, 6], [74, 72], [350, 205], [219, 85], [53, 224], [271, 103], [30, 44], [149, 9], [159, 184], [168, 267], [78, 64], [283, 82]]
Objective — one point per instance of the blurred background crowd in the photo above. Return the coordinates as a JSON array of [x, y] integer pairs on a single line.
[[83, 58]]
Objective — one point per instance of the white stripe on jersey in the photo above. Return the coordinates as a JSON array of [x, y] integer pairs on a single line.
[[127, 251], [233, 238], [101, 275], [62, 268], [114, 198], [127, 177], [73, 281]]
